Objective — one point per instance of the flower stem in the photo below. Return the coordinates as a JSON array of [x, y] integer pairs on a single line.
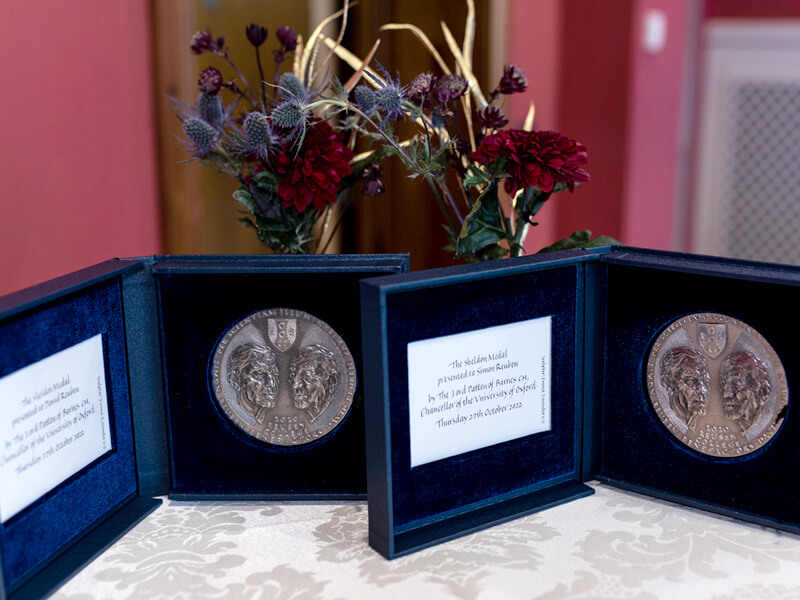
[[241, 76], [261, 76], [437, 187], [347, 106], [519, 239], [455, 118], [449, 197], [465, 194], [344, 204]]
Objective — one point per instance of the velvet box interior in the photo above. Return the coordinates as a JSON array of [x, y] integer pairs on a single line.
[[198, 303], [607, 309], [156, 322]]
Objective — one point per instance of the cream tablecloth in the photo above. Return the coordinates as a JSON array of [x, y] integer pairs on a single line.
[[612, 545]]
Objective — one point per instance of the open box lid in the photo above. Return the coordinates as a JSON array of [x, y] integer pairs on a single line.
[[69, 466], [132, 315], [741, 456], [606, 309]]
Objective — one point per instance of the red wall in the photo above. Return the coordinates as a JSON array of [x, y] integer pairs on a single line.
[[592, 81], [538, 56], [576, 55], [654, 123], [78, 182], [595, 75], [752, 9]]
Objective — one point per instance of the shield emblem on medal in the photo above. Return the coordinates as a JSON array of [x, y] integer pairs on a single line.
[[282, 333], [713, 337]]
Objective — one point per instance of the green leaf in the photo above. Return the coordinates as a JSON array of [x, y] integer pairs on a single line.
[[473, 180], [483, 226], [245, 198], [438, 156], [532, 201], [602, 240], [265, 179], [476, 176], [392, 150], [338, 89], [581, 239]]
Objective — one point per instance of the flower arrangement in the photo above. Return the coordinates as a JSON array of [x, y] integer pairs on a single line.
[[291, 165], [292, 147]]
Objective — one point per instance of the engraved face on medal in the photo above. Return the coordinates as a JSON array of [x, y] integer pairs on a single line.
[[284, 377], [717, 385]]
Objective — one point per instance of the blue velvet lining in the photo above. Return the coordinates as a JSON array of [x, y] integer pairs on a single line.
[[637, 449], [208, 453], [36, 534], [453, 483]]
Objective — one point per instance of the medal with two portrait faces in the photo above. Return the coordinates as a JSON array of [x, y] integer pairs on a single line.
[[283, 377], [717, 385]]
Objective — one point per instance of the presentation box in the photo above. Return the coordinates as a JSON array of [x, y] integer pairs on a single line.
[[206, 377], [498, 389]]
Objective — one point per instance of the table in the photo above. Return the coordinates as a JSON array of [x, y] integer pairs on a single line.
[[612, 545]]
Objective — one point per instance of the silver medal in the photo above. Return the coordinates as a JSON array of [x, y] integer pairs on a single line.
[[717, 385], [284, 377]]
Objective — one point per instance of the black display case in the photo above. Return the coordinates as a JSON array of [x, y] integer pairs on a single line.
[[606, 310], [156, 323]]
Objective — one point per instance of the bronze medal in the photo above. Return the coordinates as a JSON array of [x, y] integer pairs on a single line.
[[717, 385], [283, 377]]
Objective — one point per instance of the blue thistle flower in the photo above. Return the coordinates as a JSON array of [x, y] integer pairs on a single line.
[[365, 99], [209, 108], [201, 134], [390, 97], [291, 87], [257, 133], [289, 115], [391, 100]]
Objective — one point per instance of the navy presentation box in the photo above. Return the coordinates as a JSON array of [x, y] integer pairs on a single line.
[[159, 320], [607, 308]]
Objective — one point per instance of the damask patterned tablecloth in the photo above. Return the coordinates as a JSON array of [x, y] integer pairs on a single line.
[[612, 545]]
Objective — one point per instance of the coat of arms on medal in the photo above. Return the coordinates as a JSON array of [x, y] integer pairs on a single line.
[[282, 333], [712, 337]]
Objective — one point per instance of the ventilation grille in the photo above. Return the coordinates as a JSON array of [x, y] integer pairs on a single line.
[[763, 168], [748, 202]]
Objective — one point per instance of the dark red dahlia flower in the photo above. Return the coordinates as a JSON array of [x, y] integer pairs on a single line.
[[535, 158], [314, 173]]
